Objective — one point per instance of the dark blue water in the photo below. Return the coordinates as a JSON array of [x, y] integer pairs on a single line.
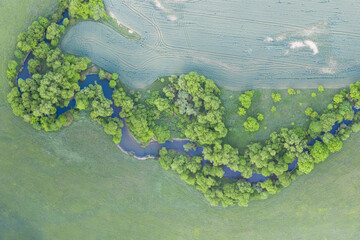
[[129, 144], [24, 73], [65, 15], [91, 79]]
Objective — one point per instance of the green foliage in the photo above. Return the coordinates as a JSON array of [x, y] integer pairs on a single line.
[[308, 111], [112, 126], [85, 9], [305, 163], [338, 98], [242, 111], [333, 143], [114, 76], [102, 74], [251, 124], [355, 127], [121, 100], [66, 22], [320, 89], [314, 115], [313, 94], [291, 91], [273, 109], [53, 32], [93, 96], [190, 146], [245, 99], [276, 97], [112, 84], [270, 186], [260, 117], [319, 151]]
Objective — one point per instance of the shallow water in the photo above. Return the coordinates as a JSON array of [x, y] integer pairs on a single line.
[[239, 44]]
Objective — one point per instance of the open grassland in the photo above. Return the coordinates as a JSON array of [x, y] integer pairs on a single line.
[[76, 184]]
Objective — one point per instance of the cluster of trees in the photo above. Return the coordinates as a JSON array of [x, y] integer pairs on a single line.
[[93, 99], [54, 76], [207, 179], [192, 99], [52, 85], [140, 117], [245, 102], [276, 97], [85, 9], [272, 157]]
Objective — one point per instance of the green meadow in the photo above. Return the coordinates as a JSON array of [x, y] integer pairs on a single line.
[[76, 184]]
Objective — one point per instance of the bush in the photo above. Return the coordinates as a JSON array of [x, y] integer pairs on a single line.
[[320, 88], [273, 109], [251, 124], [260, 117], [242, 111], [112, 84], [276, 97], [308, 111], [291, 91]]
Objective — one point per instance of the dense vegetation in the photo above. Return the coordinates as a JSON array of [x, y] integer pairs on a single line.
[[192, 101]]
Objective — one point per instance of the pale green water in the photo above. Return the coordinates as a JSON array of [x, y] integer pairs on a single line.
[[239, 44]]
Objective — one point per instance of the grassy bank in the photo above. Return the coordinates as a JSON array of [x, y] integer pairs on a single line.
[[76, 184], [291, 109]]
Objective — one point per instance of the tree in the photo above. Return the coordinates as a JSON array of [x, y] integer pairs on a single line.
[[355, 127], [251, 124], [285, 179], [313, 94], [66, 22], [328, 120], [335, 144], [319, 152], [242, 111], [308, 111], [102, 74], [260, 117], [273, 109], [245, 100], [112, 84], [306, 163], [270, 186], [291, 91], [53, 32], [276, 97], [338, 98], [320, 89], [189, 146], [114, 76]]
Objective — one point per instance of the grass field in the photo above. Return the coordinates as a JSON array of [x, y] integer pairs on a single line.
[[291, 109], [76, 184]]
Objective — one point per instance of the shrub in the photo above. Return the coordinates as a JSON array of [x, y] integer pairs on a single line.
[[291, 91], [251, 124], [276, 97], [112, 84]]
